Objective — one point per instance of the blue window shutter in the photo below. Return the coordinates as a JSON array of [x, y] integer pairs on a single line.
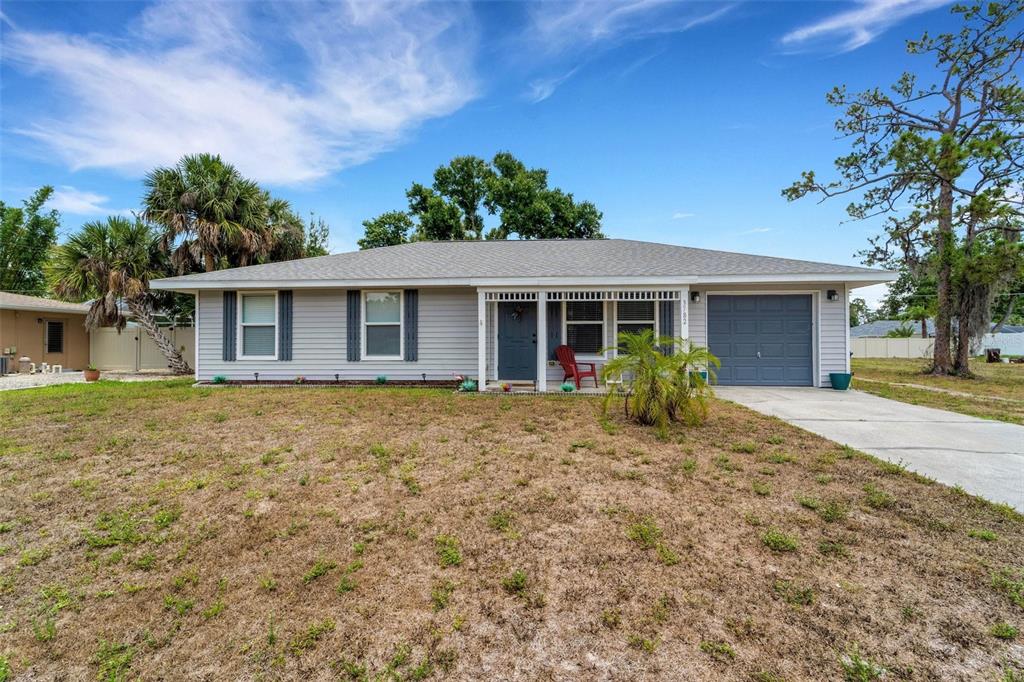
[[666, 323], [554, 328], [284, 325], [352, 307], [412, 333], [230, 330]]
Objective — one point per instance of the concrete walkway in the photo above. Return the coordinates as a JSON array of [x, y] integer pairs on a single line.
[[983, 456]]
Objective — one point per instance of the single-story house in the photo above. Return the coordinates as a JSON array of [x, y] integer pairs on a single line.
[[498, 309], [43, 330]]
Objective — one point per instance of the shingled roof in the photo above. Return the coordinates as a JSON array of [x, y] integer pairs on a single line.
[[464, 261], [11, 301]]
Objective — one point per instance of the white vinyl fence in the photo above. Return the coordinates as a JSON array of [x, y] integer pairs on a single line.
[[132, 350], [892, 348]]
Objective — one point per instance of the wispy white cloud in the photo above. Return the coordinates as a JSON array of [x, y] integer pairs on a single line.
[[679, 215], [357, 77], [858, 26], [581, 29], [757, 230], [542, 88], [67, 199]]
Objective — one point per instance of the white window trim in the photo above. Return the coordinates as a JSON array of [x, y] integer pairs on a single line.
[[46, 336], [364, 324], [654, 321], [565, 327], [241, 326]]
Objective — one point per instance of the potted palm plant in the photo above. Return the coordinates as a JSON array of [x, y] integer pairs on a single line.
[[91, 373]]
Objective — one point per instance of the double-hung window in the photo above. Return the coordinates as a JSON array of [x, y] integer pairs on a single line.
[[382, 329], [634, 316], [584, 326], [258, 325]]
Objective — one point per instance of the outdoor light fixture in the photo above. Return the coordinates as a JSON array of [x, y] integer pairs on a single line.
[[336, 378], [695, 297], [257, 375], [832, 295], [424, 375]]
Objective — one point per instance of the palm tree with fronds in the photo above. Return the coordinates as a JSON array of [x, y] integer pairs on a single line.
[[206, 210], [111, 261], [663, 384]]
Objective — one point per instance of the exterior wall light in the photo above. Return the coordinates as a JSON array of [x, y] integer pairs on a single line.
[[832, 295], [695, 297]]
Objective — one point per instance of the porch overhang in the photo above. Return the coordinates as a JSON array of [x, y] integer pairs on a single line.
[[490, 297]]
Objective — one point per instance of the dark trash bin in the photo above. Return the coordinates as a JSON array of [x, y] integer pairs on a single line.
[[992, 355]]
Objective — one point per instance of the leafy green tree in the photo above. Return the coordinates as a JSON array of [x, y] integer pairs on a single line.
[[952, 151], [860, 313], [904, 331], [387, 229], [26, 234], [207, 211], [112, 261], [451, 208], [318, 237], [1008, 307]]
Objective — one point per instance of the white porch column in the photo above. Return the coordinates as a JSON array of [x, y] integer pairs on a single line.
[[481, 341], [542, 341], [684, 313]]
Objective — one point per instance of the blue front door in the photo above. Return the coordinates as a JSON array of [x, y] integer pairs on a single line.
[[517, 341], [762, 340]]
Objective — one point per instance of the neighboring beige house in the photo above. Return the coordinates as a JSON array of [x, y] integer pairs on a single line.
[[44, 330]]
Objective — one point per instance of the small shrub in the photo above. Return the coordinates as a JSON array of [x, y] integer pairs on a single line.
[[441, 595], [832, 511], [319, 568], [856, 668], [747, 447], [447, 548], [832, 548], [516, 582], [777, 541], [877, 498], [1003, 631], [808, 502], [794, 594], [381, 379], [611, 618], [165, 517], [345, 584], [645, 644], [666, 555], [1011, 583], [220, 379], [113, 660], [645, 533], [983, 534], [761, 488], [720, 651], [500, 520], [307, 639]]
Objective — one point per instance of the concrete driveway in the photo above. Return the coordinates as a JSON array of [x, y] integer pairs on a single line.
[[984, 457]]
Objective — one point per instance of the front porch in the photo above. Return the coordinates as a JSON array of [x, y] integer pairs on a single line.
[[519, 330]]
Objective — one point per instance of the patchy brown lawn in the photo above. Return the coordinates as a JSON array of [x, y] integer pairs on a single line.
[[996, 392], [166, 532]]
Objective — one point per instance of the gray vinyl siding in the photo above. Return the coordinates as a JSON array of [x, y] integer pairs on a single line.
[[447, 340], [831, 337]]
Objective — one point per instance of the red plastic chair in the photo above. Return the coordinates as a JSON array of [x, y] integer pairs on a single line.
[[567, 359]]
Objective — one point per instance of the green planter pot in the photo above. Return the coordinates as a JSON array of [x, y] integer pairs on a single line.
[[840, 380]]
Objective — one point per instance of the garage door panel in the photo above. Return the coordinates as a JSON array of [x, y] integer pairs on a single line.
[[762, 339]]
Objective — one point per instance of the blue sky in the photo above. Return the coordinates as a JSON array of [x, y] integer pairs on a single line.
[[681, 121]]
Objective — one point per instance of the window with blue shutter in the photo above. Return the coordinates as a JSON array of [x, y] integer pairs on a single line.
[[411, 330], [230, 330], [353, 306], [284, 321]]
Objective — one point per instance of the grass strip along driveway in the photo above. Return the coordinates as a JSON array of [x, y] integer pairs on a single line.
[[996, 392], [311, 533]]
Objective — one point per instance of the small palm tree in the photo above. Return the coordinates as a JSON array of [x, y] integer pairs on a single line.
[[112, 261], [662, 385], [207, 205]]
